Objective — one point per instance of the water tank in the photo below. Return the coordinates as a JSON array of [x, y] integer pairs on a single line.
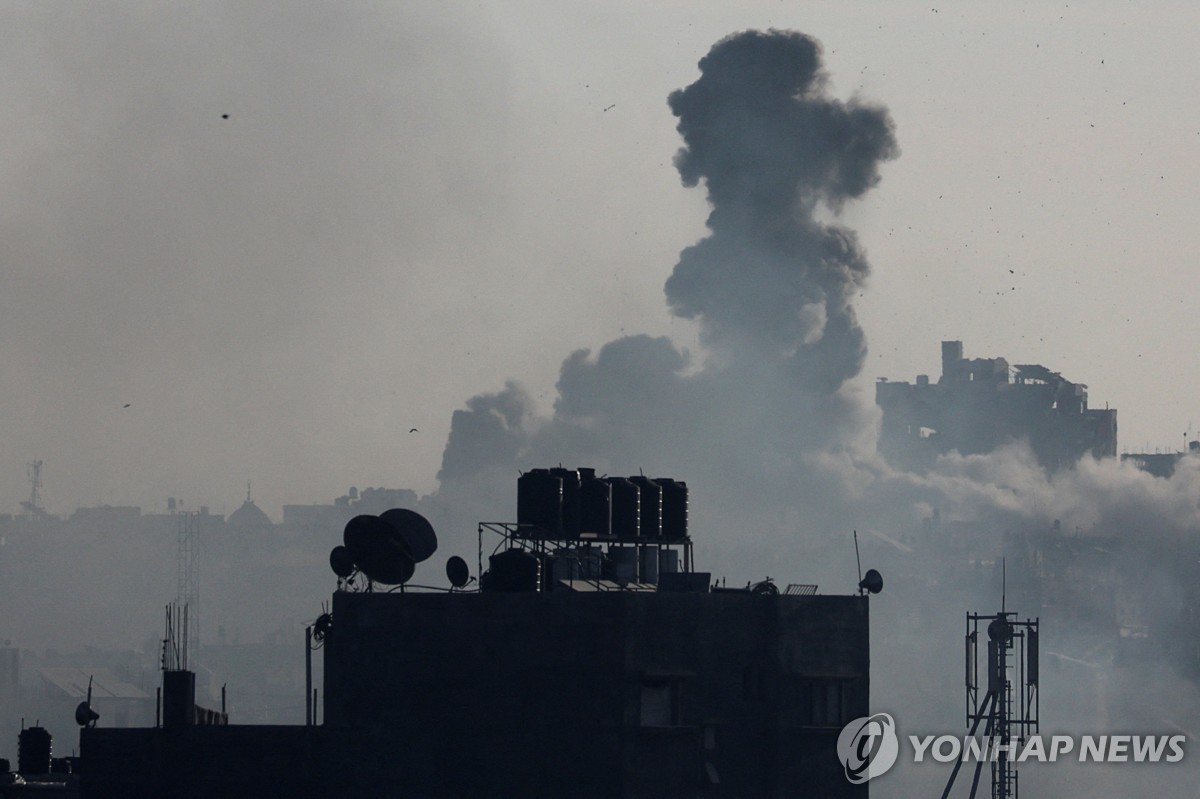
[[674, 508], [649, 563], [651, 506], [591, 562], [595, 503], [33, 751], [624, 563], [564, 566], [578, 563], [540, 503], [178, 698], [626, 508], [512, 571], [570, 501], [668, 561]]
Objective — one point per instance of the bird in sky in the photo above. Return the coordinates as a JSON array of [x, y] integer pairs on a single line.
[[414, 430]]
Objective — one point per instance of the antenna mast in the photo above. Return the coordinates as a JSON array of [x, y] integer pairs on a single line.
[[187, 591], [858, 561], [33, 505], [1006, 699]]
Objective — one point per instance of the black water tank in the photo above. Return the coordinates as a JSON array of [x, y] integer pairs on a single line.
[[675, 508], [33, 751], [626, 508], [570, 501], [595, 503], [540, 503], [179, 698], [512, 571], [651, 506], [577, 563]]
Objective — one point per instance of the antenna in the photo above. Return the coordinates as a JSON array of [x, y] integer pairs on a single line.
[[1003, 582], [341, 561], [187, 584], [84, 715], [384, 548], [414, 531], [456, 572], [172, 652], [872, 582], [857, 559], [33, 505], [35, 484], [1007, 698]]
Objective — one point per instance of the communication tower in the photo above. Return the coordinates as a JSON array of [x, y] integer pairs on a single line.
[[187, 591], [33, 505], [1005, 698]]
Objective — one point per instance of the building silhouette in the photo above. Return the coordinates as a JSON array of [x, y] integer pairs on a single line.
[[980, 404]]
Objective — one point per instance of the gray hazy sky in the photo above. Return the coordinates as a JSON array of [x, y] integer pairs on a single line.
[[410, 204]]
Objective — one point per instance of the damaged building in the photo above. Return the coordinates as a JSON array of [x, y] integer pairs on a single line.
[[980, 404]]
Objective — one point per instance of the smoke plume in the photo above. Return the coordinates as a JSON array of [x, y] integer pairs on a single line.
[[771, 288], [771, 147], [779, 450]]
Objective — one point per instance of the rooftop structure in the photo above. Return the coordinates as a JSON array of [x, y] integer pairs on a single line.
[[1161, 464]]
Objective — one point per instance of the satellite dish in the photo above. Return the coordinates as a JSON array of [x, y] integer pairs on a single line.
[[872, 582], [341, 561], [765, 587], [84, 715], [457, 572], [999, 630], [378, 550], [414, 530]]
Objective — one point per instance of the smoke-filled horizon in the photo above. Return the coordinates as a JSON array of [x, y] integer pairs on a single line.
[[762, 422], [284, 240]]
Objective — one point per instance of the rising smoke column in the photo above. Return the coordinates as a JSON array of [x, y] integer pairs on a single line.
[[770, 287], [772, 147]]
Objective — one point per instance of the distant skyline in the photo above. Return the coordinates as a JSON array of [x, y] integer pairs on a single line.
[[244, 243]]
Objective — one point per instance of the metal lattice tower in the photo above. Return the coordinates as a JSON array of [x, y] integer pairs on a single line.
[[1005, 699], [33, 505], [187, 592]]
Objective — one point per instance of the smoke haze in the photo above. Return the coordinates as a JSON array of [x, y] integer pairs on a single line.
[[771, 287], [780, 454], [213, 232]]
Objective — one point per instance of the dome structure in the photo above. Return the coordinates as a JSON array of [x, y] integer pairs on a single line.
[[249, 517]]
